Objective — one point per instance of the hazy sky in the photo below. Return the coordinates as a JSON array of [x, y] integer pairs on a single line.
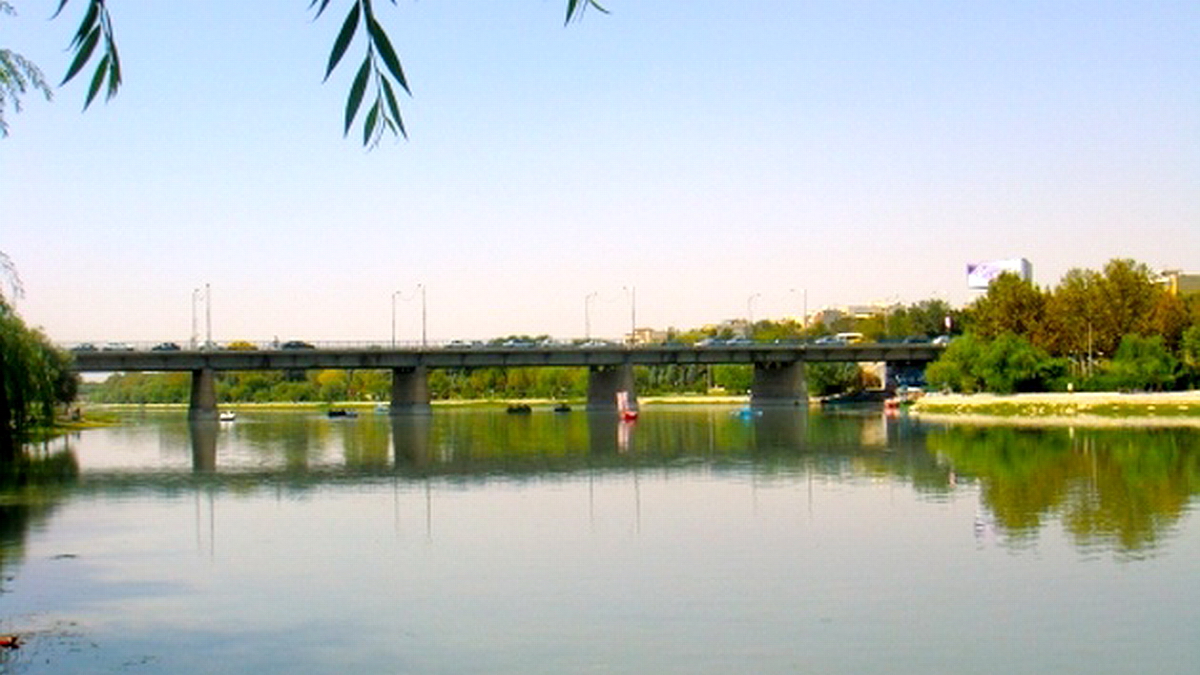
[[722, 157]]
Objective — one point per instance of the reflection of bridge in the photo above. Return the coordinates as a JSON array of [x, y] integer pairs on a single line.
[[779, 377]]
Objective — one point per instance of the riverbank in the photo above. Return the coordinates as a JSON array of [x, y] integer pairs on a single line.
[[1158, 409], [673, 399]]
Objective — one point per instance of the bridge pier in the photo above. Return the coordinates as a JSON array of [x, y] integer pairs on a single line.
[[779, 383], [203, 404], [410, 391], [605, 381]]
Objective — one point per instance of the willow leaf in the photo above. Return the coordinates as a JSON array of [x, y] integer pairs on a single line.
[[85, 26], [345, 35], [372, 121], [356, 92], [114, 72], [321, 9], [97, 79], [82, 56], [386, 52], [393, 107]]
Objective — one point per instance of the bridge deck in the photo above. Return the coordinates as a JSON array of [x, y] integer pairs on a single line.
[[483, 357]]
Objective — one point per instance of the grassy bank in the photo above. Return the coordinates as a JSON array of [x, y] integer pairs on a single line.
[[1183, 406]]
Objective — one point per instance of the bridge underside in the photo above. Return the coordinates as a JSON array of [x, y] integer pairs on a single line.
[[775, 383], [779, 383]]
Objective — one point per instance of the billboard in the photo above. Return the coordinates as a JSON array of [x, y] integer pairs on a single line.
[[979, 275]]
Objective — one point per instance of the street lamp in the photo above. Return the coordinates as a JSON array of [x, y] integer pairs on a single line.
[[750, 313], [394, 294], [400, 294], [587, 315], [195, 333], [424, 342], [632, 290], [208, 315]]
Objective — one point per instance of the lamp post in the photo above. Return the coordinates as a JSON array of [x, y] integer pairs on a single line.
[[208, 315], [587, 315], [750, 313], [394, 294], [424, 341], [632, 290], [195, 333], [399, 294]]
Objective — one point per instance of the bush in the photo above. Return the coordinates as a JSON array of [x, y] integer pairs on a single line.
[[1142, 363]]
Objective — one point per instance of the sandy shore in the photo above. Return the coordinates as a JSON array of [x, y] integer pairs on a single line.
[[1099, 408]]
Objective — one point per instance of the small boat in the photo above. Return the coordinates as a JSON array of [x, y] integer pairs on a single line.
[[626, 411], [747, 413], [562, 407], [10, 642], [227, 416], [519, 408], [342, 412]]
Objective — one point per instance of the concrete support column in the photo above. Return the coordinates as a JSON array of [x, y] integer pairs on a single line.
[[605, 381], [410, 391], [203, 405], [779, 383]]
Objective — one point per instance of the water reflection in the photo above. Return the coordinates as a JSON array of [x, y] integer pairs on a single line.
[[1111, 488], [1121, 488]]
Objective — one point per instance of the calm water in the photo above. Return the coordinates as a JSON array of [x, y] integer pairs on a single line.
[[693, 541]]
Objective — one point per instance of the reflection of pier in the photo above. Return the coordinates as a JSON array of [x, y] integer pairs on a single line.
[[301, 450]]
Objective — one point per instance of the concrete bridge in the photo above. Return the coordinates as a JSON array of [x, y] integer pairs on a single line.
[[779, 369]]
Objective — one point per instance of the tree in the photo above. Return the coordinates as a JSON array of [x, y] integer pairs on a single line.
[[1127, 296], [1143, 363], [1012, 305], [18, 75], [380, 71], [33, 379], [1005, 365], [1071, 311]]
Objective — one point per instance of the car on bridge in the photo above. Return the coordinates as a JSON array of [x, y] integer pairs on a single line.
[[296, 344], [165, 347]]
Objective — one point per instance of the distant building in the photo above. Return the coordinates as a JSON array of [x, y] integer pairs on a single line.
[[1178, 283], [981, 275], [646, 336]]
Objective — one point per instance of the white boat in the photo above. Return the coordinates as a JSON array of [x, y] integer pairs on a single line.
[[227, 416], [626, 411]]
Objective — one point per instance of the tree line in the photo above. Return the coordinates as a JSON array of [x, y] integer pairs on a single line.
[[1118, 328]]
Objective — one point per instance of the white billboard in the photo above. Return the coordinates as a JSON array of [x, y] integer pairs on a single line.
[[979, 275]]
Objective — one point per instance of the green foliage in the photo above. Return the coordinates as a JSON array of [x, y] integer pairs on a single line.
[[17, 76], [95, 29], [1142, 363], [1011, 305], [1005, 365], [955, 370], [832, 378], [34, 377]]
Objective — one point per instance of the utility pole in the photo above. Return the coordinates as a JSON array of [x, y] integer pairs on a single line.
[[208, 314]]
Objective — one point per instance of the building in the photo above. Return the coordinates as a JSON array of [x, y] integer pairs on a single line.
[[1178, 283]]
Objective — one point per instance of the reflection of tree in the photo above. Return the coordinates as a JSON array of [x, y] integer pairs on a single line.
[[30, 488], [1119, 487]]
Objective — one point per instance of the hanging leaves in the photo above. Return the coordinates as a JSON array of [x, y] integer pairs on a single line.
[[380, 71], [380, 67], [95, 30]]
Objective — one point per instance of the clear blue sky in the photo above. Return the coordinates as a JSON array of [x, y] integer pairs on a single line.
[[721, 157]]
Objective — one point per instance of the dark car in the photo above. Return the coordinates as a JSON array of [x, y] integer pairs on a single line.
[[165, 347], [296, 344], [84, 347]]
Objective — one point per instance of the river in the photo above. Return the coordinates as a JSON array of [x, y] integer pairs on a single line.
[[695, 540]]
